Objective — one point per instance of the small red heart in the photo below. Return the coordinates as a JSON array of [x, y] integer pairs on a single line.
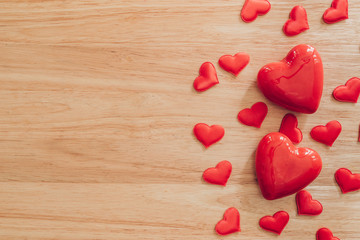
[[218, 175], [348, 93], [296, 82], [234, 64], [230, 222], [337, 12], [208, 135], [207, 77], [297, 23], [347, 180], [275, 223], [326, 134], [253, 8], [283, 169], [254, 116], [289, 128], [325, 234], [306, 205]]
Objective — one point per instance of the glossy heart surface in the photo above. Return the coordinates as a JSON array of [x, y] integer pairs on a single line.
[[207, 77], [208, 135], [348, 92], [297, 23], [296, 82], [230, 222], [253, 8], [234, 64], [218, 175], [347, 181], [325, 234], [326, 134], [306, 205], [275, 223], [289, 127], [253, 116], [337, 12], [283, 169]]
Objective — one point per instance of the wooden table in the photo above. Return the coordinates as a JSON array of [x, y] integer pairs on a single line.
[[97, 110]]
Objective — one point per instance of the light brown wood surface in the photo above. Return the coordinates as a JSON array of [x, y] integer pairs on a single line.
[[97, 110]]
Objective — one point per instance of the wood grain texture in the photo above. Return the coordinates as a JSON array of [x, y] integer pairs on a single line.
[[97, 110]]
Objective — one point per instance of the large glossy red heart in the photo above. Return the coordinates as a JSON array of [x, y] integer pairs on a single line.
[[230, 222], [253, 116], [297, 23], [306, 205], [337, 12], [348, 93], [289, 127], [218, 175], [207, 77], [347, 180], [234, 64], [283, 169], [275, 223], [208, 135], [253, 8], [296, 82], [326, 134], [325, 234]]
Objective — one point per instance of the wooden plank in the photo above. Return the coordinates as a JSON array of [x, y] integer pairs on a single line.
[[98, 108]]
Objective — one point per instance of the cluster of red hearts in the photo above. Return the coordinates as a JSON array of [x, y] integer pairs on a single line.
[[295, 83], [298, 22]]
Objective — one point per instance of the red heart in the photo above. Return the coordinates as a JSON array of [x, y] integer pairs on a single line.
[[254, 116], [275, 223], [348, 93], [325, 234], [347, 181], [297, 23], [253, 8], [234, 64], [207, 77], [289, 128], [306, 205], [296, 82], [326, 134], [230, 222], [218, 175], [208, 135], [283, 169], [337, 12]]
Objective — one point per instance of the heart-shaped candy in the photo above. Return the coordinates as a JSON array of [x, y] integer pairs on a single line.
[[326, 134], [325, 234], [296, 82], [347, 181], [275, 223], [253, 8], [218, 175], [289, 127], [207, 77], [283, 169], [253, 116], [208, 135], [230, 222], [348, 93], [234, 64], [297, 23], [337, 12], [306, 205]]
